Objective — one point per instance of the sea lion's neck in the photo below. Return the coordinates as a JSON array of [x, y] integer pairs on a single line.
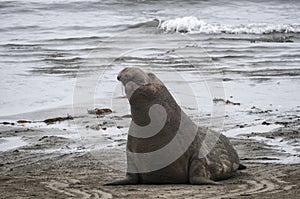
[[141, 112]]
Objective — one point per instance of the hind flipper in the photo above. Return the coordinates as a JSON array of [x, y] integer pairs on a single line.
[[199, 173]]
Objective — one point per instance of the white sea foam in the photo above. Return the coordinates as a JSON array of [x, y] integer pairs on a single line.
[[194, 25], [9, 143]]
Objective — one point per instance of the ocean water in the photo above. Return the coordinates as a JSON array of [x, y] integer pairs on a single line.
[[60, 52], [68, 52]]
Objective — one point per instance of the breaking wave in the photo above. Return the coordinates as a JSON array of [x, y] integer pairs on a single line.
[[193, 25]]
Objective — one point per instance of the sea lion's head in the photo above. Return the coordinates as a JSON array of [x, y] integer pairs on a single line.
[[132, 74], [133, 78], [143, 90]]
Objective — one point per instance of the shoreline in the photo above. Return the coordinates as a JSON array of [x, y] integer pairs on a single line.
[[91, 132]]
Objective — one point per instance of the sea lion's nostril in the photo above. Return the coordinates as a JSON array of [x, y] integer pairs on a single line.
[[118, 77]]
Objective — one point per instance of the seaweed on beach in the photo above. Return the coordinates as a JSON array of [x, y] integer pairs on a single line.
[[7, 123], [99, 111], [57, 119], [216, 100], [23, 121]]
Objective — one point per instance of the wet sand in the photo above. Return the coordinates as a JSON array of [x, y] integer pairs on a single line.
[[55, 163]]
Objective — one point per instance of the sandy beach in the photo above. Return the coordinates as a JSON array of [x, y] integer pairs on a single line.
[[54, 161]]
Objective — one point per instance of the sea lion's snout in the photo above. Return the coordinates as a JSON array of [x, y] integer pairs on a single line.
[[124, 78], [135, 75], [132, 79]]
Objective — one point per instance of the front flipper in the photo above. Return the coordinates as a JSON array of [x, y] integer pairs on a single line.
[[130, 179], [203, 181]]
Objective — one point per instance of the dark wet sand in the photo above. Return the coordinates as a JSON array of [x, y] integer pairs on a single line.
[[28, 172], [81, 176]]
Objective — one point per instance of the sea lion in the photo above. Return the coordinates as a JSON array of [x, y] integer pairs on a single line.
[[164, 145]]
